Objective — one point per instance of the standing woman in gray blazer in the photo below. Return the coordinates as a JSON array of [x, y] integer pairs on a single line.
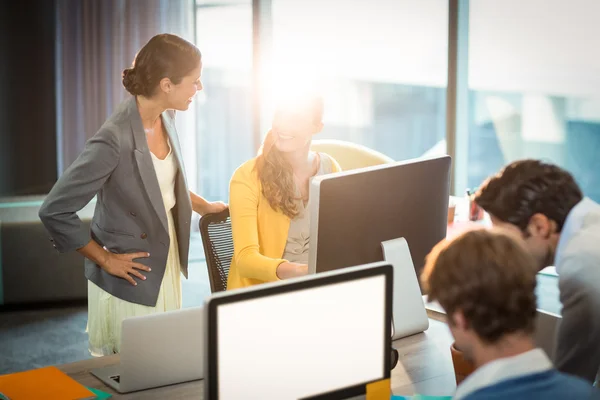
[[139, 238]]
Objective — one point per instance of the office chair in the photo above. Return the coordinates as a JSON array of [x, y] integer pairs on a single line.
[[350, 155], [215, 230]]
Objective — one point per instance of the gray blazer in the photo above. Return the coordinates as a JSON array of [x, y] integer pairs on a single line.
[[578, 266], [116, 166]]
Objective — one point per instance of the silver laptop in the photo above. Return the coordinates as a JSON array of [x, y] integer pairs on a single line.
[[157, 350]]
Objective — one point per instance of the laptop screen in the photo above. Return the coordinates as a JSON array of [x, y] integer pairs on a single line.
[[303, 343]]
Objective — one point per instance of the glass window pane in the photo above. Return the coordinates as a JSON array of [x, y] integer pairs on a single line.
[[224, 110], [535, 87], [381, 66]]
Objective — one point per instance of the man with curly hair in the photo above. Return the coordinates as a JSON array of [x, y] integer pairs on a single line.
[[485, 281], [543, 203]]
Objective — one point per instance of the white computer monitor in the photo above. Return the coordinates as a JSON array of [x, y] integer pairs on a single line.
[[321, 335]]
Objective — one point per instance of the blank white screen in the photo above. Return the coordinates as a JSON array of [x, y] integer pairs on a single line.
[[302, 343]]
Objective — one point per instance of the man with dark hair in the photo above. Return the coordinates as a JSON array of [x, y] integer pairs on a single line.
[[485, 281], [544, 204]]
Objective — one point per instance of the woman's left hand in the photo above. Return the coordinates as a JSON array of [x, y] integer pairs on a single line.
[[203, 207], [215, 207]]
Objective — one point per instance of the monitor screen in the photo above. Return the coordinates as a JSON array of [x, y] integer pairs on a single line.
[[353, 212], [303, 343]]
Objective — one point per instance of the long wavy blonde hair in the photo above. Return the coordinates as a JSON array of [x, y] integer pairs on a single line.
[[275, 173]]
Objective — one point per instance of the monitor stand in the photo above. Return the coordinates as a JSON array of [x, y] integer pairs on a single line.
[[408, 310]]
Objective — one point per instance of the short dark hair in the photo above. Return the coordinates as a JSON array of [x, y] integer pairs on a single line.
[[490, 277], [527, 187], [164, 56]]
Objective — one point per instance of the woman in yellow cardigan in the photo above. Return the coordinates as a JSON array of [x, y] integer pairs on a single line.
[[268, 199]]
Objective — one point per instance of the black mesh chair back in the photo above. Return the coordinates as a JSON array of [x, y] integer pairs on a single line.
[[215, 230]]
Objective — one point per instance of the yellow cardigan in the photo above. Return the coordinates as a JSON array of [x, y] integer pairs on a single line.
[[259, 232]]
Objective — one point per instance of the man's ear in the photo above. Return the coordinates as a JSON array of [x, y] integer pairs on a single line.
[[458, 320], [541, 226]]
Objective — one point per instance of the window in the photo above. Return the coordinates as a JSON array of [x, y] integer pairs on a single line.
[[534, 82], [380, 65], [224, 111]]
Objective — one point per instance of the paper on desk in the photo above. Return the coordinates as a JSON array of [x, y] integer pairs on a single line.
[[100, 395]]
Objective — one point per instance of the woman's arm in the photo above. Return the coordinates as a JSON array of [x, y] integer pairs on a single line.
[[243, 208], [121, 265], [75, 188], [201, 206]]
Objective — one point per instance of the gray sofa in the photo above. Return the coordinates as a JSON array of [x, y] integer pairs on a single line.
[[31, 270]]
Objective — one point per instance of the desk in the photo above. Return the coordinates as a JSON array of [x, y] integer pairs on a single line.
[[424, 366], [434, 310]]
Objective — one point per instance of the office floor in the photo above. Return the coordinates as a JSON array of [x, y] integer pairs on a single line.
[[41, 337]]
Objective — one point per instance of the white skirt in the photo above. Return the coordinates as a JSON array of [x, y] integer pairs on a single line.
[[106, 312]]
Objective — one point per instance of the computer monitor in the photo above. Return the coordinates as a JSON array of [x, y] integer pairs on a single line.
[[353, 212], [319, 336], [397, 212]]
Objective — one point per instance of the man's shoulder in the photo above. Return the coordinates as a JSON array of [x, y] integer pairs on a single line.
[[544, 385], [591, 222], [580, 261], [584, 245]]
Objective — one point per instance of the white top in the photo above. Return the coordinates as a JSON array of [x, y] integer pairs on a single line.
[[166, 172], [531, 362]]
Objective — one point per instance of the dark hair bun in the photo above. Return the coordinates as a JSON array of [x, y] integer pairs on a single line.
[[132, 83], [164, 56]]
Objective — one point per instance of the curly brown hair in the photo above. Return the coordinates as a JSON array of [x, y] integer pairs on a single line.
[[275, 173], [276, 177], [527, 187], [490, 277]]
